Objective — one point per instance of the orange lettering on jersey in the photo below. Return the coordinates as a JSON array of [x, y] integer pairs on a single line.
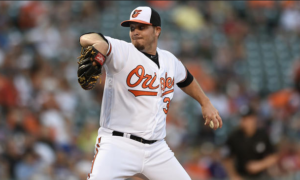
[[148, 77], [166, 82], [169, 83], [162, 84], [167, 92], [142, 93], [139, 71], [167, 100], [136, 72], [152, 81]]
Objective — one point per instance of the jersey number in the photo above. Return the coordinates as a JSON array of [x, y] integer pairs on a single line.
[[167, 100]]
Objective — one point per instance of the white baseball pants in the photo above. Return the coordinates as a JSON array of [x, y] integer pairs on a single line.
[[118, 158]]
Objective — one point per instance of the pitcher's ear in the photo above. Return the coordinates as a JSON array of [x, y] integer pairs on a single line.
[[157, 30]]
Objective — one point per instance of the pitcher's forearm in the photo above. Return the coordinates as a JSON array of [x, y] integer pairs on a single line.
[[90, 39], [196, 92], [209, 112]]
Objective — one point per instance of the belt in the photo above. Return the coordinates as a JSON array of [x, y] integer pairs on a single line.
[[133, 137]]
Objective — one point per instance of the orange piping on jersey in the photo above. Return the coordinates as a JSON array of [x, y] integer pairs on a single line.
[[94, 161], [99, 139], [142, 93], [110, 47], [167, 92]]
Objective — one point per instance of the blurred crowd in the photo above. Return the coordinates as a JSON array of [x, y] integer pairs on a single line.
[[48, 124]]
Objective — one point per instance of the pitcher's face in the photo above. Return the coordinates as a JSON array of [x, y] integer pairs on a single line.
[[142, 36]]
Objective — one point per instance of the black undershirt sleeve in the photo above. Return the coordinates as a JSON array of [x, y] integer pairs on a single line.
[[96, 33], [187, 81]]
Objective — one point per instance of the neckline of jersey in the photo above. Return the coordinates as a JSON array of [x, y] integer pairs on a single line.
[[154, 58]]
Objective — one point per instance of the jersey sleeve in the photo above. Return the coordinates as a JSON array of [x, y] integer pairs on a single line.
[[183, 77], [180, 71], [117, 54]]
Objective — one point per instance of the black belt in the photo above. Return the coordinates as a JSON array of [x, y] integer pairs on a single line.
[[133, 137]]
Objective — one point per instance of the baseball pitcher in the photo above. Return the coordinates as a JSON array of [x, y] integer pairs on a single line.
[[139, 87]]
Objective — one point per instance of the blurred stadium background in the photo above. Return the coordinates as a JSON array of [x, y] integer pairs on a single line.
[[242, 53]]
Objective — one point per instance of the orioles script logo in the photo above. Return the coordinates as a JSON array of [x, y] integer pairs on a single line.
[[147, 83], [136, 13]]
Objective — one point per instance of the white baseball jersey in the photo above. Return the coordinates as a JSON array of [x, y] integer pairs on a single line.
[[137, 92]]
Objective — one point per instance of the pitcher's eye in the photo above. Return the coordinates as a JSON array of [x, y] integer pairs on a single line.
[[132, 28]]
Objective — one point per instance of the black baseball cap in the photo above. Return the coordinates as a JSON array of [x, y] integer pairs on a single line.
[[144, 15]]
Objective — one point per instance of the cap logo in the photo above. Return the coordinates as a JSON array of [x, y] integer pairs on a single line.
[[136, 13]]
